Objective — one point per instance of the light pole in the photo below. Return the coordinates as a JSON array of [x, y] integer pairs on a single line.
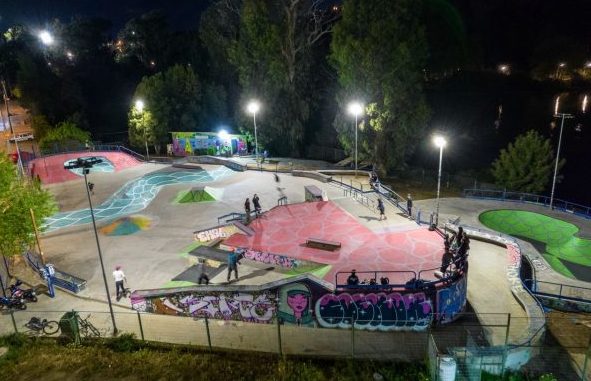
[[254, 107], [563, 116], [440, 142], [139, 106], [355, 108], [85, 165], [20, 167]]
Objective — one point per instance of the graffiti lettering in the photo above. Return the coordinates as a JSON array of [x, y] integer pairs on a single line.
[[381, 311], [211, 234], [451, 301], [272, 259], [245, 307]]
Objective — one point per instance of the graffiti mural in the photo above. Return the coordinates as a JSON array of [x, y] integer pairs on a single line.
[[376, 311], [451, 301], [215, 233], [295, 304], [272, 259], [258, 307]]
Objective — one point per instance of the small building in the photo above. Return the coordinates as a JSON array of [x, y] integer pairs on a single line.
[[208, 143]]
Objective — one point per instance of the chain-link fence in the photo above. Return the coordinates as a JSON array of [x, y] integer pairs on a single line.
[[474, 347]]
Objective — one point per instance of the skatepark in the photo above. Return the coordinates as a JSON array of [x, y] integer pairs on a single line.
[[161, 222]]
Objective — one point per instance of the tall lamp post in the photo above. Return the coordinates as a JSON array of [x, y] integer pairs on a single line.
[[253, 107], [85, 164], [20, 167], [356, 109], [440, 142], [139, 106], [563, 116]]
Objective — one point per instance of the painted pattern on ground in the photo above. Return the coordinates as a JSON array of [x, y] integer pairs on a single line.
[[566, 253], [127, 225], [134, 196], [104, 166], [284, 231]]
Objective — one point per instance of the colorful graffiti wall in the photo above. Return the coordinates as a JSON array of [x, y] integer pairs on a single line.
[[309, 303], [208, 235], [189, 143]]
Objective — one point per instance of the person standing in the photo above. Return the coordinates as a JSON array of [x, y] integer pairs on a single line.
[[202, 274], [257, 205], [409, 205], [381, 208], [232, 265], [91, 188], [119, 277], [247, 208]]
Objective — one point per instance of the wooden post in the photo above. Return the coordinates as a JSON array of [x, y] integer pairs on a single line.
[[37, 236]]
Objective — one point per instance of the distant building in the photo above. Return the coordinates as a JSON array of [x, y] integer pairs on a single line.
[[23, 132], [208, 143]]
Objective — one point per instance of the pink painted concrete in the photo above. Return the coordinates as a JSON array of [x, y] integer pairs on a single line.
[[285, 229], [51, 170]]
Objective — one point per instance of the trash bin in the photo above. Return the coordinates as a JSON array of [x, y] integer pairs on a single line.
[[447, 368], [69, 325]]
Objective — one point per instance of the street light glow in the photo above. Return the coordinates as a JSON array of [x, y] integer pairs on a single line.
[[588, 65], [355, 108], [253, 107], [562, 64], [556, 105], [139, 105], [584, 106], [439, 141], [46, 37], [223, 134]]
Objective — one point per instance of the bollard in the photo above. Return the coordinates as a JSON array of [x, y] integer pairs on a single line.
[[353, 338], [13, 321], [508, 326]]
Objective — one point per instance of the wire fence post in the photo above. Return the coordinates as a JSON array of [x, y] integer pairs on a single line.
[[280, 347], [13, 321], [208, 334], [508, 327], [139, 318], [353, 337]]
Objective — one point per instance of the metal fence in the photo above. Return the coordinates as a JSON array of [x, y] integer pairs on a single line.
[[58, 150], [567, 206], [477, 344]]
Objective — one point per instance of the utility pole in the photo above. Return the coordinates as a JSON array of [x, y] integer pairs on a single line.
[[563, 116]]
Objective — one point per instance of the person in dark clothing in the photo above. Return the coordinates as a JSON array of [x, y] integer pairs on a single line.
[[384, 281], [353, 279], [381, 208], [232, 265], [446, 260], [91, 188], [409, 205], [247, 208], [202, 275], [257, 205]]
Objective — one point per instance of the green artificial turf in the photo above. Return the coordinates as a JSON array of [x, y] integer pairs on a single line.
[[561, 246], [187, 196]]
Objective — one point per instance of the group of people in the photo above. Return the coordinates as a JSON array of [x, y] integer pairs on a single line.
[[257, 206], [353, 280], [456, 250]]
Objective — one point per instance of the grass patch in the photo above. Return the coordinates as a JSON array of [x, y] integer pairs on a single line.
[[421, 190], [128, 359]]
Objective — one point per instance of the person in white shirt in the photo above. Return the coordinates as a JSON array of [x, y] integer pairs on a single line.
[[119, 277]]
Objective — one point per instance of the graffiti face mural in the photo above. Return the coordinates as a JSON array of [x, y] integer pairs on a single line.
[[451, 301], [375, 311], [295, 304]]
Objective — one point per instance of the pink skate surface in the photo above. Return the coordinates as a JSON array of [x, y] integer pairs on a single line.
[[285, 229]]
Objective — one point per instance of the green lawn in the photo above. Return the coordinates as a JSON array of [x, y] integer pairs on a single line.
[[561, 247]]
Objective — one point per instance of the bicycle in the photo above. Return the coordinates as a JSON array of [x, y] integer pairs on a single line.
[[36, 326], [86, 328]]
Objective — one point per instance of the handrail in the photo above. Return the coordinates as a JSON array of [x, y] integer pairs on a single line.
[[529, 198], [375, 274], [233, 215], [532, 286]]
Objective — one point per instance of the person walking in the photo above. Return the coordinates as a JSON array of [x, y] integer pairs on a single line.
[[409, 205], [232, 265], [381, 208], [257, 205], [119, 277], [91, 188], [247, 208]]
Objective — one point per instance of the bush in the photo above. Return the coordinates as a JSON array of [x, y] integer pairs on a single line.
[[124, 343]]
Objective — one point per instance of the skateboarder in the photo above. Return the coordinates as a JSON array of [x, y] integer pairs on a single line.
[[381, 208], [119, 277], [247, 208], [202, 275], [232, 265], [409, 205], [257, 205], [91, 188]]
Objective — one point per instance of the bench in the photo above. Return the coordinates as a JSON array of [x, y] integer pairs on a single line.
[[322, 244]]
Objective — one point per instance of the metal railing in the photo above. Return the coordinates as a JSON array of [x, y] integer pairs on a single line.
[[567, 206], [558, 290], [91, 148]]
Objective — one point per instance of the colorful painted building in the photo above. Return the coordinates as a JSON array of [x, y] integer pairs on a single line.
[[207, 143]]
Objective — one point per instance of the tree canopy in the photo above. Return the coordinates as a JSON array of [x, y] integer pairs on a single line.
[[64, 135], [17, 196], [526, 165], [379, 52]]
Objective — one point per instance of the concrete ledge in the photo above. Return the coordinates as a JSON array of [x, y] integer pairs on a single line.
[[217, 160], [312, 175], [343, 172]]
